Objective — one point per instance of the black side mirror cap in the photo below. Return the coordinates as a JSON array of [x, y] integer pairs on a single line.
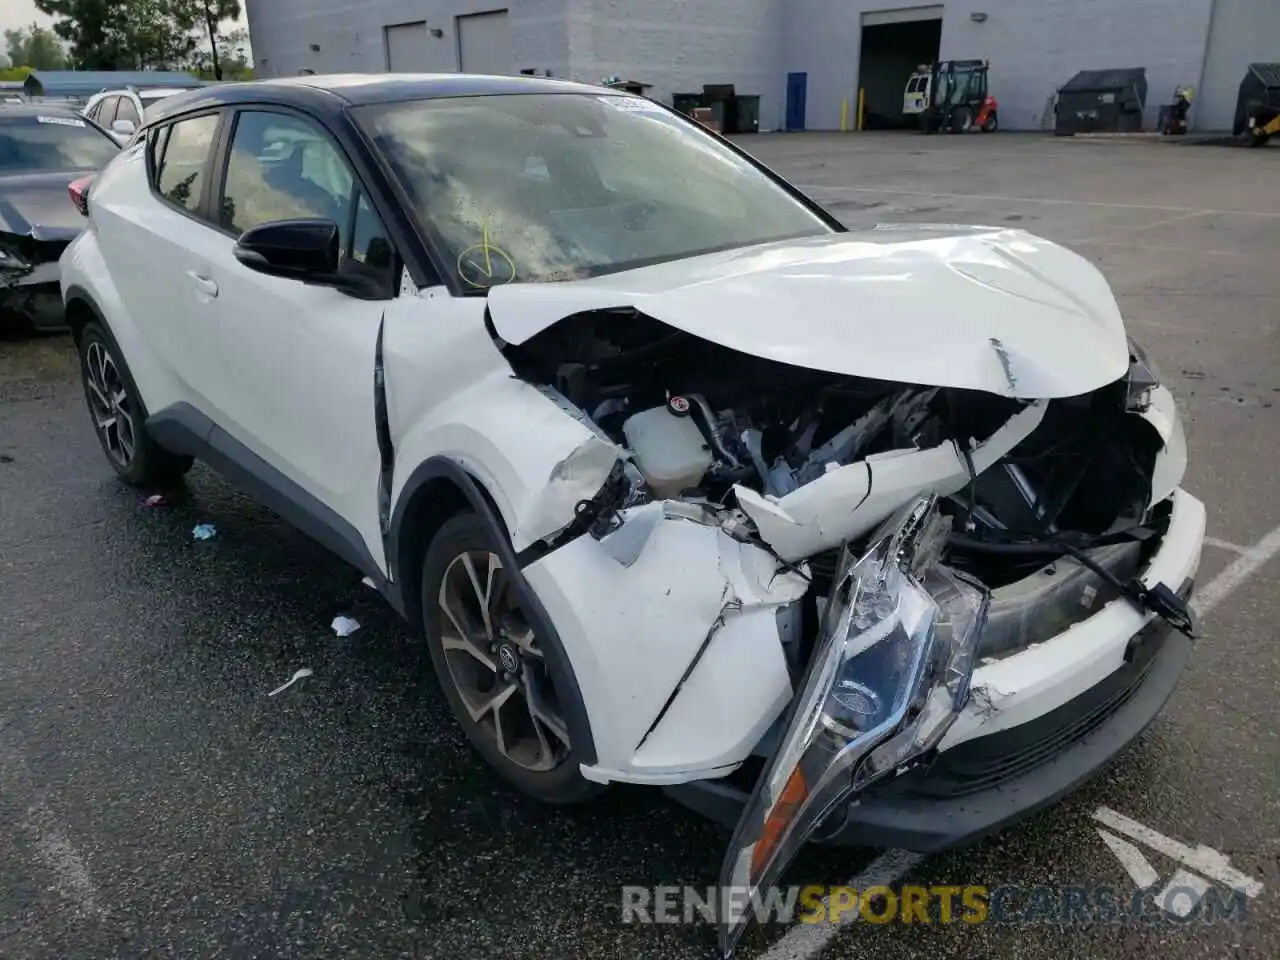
[[293, 249]]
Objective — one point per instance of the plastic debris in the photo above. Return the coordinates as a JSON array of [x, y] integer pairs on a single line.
[[204, 531], [345, 626], [368, 582], [155, 500], [298, 675]]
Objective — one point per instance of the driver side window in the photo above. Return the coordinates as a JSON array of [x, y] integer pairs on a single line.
[[282, 167]]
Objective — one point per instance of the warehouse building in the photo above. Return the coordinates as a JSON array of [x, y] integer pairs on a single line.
[[806, 60]]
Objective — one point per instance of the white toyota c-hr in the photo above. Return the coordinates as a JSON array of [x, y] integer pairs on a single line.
[[874, 537]]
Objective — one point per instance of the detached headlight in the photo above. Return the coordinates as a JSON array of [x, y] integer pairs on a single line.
[[1143, 377], [888, 677]]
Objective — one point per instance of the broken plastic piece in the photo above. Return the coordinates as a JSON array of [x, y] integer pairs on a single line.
[[345, 626], [297, 675], [368, 582], [155, 500], [204, 531]]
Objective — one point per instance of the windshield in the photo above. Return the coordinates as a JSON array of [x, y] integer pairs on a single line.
[[539, 187], [52, 143]]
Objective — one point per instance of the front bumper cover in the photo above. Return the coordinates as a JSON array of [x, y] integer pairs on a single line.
[[989, 783]]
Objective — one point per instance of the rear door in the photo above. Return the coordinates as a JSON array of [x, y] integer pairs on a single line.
[[154, 210]]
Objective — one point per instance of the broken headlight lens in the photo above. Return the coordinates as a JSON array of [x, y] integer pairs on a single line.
[[889, 675], [1143, 377]]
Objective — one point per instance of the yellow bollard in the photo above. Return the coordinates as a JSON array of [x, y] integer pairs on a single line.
[[844, 115], [862, 102]]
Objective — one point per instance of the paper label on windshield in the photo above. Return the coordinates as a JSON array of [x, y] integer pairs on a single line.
[[61, 121], [631, 104]]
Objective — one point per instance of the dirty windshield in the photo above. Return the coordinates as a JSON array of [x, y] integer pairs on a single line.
[[563, 186]]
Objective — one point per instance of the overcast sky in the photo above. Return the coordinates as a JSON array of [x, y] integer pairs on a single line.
[[20, 13]]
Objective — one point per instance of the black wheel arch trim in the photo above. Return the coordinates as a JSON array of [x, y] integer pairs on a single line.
[[77, 292], [566, 682], [182, 429]]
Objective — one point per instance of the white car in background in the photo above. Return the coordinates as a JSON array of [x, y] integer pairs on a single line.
[[875, 537], [121, 112]]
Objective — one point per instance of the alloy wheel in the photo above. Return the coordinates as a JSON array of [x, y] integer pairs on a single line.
[[110, 404], [496, 664]]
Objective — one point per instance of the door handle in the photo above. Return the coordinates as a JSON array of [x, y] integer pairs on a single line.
[[204, 284]]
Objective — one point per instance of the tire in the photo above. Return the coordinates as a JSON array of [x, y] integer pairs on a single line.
[[961, 120], [119, 417], [482, 661], [992, 123]]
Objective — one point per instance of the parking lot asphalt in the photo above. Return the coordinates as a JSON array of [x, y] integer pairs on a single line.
[[155, 801]]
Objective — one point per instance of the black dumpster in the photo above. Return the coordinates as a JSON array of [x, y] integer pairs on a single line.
[[1259, 97], [748, 114], [686, 102], [1102, 101]]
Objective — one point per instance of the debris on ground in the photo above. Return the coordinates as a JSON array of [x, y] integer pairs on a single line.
[[204, 531], [368, 582], [298, 675], [155, 500], [345, 626]]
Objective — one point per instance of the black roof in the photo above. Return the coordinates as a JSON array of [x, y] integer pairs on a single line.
[[1118, 78], [356, 89]]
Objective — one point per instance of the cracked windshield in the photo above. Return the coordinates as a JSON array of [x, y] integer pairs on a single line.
[[565, 186]]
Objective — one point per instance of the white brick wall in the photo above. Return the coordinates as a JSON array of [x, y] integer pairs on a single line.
[[350, 33], [679, 45], [1034, 46]]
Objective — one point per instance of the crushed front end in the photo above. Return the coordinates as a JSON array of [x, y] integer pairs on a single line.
[[799, 590], [30, 296]]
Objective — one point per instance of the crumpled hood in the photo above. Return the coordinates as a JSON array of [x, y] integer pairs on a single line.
[[979, 308]]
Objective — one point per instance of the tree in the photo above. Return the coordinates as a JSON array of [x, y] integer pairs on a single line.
[[211, 14], [91, 27], [36, 47], [130, 34]]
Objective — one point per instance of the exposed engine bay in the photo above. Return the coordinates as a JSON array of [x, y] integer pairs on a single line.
[[1049, 502]]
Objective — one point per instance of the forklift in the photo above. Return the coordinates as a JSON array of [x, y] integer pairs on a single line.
[[951, 96]]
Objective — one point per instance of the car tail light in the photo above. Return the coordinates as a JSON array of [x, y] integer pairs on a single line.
[[79, 192]]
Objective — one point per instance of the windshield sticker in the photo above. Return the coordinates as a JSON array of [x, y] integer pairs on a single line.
[[61, 121], [632, 104]]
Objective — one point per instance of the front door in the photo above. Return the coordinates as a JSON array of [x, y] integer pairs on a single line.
[[299, 359], [797, 91]]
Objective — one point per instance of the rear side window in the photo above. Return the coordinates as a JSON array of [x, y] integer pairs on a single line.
[[181, 154]]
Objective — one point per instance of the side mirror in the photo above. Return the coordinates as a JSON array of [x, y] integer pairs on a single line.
[[294, 249], [124, 128], [304, 250]]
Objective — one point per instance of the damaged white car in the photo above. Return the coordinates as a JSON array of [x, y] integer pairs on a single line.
[[873, 537]]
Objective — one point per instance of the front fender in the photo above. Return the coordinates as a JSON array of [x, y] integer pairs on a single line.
[[535, 459]]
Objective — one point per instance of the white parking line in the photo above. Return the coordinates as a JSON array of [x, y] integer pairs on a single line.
[[1118, 232], [68, 870], [805, 941], [1043, 200], [1236, 573]]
